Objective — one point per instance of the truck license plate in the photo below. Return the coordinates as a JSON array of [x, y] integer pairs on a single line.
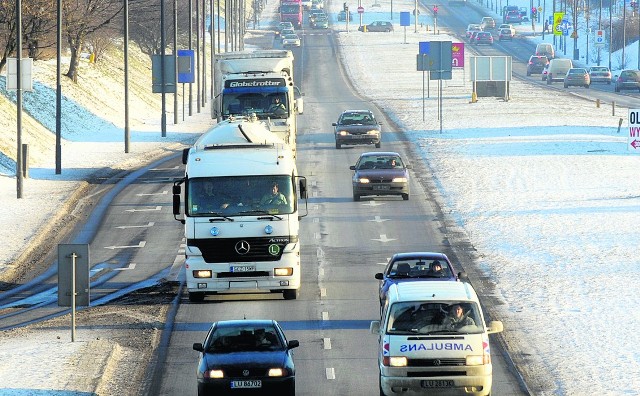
[[243, 268], [245, 384], [437, 383]]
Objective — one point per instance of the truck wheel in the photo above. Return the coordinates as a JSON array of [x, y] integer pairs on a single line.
[[196, 297], [290, 294]]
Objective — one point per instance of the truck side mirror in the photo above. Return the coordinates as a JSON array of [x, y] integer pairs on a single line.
[[185, 156], [176, 190], [300, 105], [303, 188]]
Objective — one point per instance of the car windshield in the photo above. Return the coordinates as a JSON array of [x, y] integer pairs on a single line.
[[434, 318], [379, 162], [243, 339], [419, 267], [357, 119]]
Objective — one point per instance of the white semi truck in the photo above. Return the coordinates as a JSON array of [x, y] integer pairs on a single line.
[[248, 82], [239, 238]]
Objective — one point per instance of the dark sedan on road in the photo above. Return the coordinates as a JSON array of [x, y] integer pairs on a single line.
[[628, 79], [483, 38], [416, 266], [380, 173], [357, 127], [246, 355]]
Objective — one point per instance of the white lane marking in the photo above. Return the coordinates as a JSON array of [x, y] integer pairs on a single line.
[[377, 219], [165, 192], [157, 208], [316, 219], [139, 245], [314, 194], [317, 235], [315, 207], [150, 224], [326, 342], [331, 373], [323, 292], [164, 169], [129, 267], [321, 272], [383, 238], [325, 315], [373, 203]]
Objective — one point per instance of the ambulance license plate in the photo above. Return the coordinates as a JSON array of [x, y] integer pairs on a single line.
[[245, 384], [436, 383]]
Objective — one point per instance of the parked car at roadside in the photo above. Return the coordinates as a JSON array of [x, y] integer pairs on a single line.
[[600, 74], [377, 26], [577, 76], [628, 79]]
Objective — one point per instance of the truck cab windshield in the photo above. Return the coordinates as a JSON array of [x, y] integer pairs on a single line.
[[240, 196], [274, 105]]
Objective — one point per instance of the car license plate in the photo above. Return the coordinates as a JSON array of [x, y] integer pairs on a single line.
[[381, 187], [243, 268], [246, 384], [436, 383]]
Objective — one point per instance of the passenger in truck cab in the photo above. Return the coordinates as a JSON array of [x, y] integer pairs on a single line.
[[275, 197], [277, 107], [210, 200]]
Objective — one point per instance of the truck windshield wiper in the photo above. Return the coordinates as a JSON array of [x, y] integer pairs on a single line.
[[220, 218], [258, 211]]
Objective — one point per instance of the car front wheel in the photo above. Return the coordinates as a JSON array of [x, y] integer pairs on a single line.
[[378, 145], [405, 197], [356, 197], [338, 145]]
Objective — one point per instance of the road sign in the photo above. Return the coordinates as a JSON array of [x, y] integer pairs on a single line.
[[360, 10], [633, 140], [599, 39], [557, 20]]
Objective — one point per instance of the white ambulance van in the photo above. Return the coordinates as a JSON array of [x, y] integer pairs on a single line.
[[433, 340]]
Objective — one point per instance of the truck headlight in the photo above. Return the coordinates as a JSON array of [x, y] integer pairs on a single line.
[[283, 271], [202, 274]]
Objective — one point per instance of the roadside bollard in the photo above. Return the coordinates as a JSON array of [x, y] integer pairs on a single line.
[[619, 124], [613, 108], [598, 103]]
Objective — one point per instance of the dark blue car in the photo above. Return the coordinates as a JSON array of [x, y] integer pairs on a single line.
[[416, 266], [246, 356]]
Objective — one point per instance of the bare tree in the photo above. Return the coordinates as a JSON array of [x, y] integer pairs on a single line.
[[81, 18]]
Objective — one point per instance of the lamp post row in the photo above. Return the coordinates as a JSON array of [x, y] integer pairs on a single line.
[[230, 15]]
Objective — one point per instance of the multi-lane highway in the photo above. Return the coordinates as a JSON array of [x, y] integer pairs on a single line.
[[344, 243]]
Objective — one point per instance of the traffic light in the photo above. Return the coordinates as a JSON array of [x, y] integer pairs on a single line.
[[344, 6], [534, 12], [435, 10]]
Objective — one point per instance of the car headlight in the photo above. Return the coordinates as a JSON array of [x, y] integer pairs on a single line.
[[214, 374], [399, 180], [363, 180], [478, 360], [276, 372], [343, 133], [373, 132]]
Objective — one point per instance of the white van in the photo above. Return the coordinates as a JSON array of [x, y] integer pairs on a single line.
[[558, 68], [424, 349]]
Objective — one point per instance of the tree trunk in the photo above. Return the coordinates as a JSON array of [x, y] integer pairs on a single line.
[[75, 46]]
